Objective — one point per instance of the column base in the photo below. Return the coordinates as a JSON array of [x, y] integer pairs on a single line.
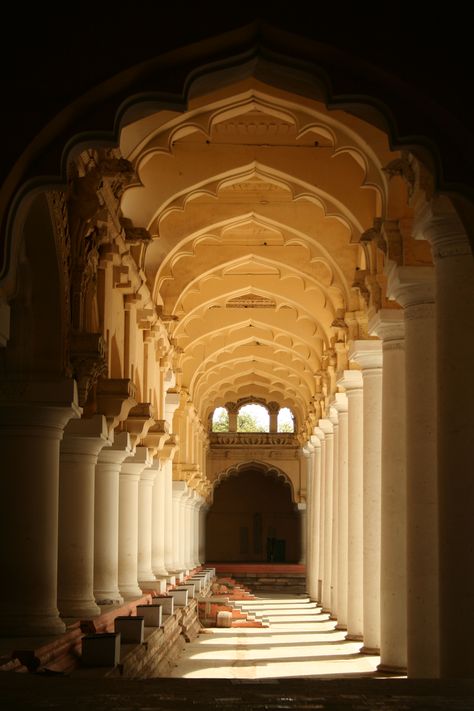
[[370, 650], [354, 637], [160, 572], [341, 627], [392, 669], [24, 625], [80, 609], [130, 592], [108, 597]]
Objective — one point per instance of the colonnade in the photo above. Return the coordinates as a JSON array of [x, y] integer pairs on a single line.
[[389, 545], [112, 520]]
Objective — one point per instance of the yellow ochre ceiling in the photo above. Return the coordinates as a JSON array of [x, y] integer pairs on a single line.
[[255, 200]]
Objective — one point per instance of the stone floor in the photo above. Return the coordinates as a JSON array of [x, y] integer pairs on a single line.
[[299, 662], [299, 642]]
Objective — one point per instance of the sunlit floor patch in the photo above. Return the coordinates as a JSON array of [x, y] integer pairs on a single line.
[[301, 641]]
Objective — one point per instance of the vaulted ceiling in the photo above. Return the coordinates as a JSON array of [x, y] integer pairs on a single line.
[[256, 200]]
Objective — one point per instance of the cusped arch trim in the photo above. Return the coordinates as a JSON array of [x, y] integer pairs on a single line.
[[279, 58], [260, 466]]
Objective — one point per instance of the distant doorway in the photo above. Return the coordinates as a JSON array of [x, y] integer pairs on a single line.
[[253, 519]]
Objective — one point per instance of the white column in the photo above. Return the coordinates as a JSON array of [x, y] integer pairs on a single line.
[[389, 325], [413, 287], [335, 513], [130, 473], [199, 502], [169, 525], [145, 521], [343, 511], [202, 532], [189, 529], [327, 428], [317, 440], [352, 383], [368, 354], [454, 269], [303, 532], [83, 440], [158, 523], [311, 546], [179, 489], [106, 520], [321, 455], [31, 429]]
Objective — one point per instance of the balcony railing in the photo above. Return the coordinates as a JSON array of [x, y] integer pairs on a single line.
[[252, 439]]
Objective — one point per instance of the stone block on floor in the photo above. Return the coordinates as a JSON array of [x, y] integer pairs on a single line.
[[152, 614], [224, 619], [166, 602], [101, 650], [132, 629]]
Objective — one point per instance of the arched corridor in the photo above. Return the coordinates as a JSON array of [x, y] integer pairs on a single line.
[[239, 234]]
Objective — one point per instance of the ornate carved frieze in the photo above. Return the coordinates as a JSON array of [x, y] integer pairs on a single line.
[[251, 439]]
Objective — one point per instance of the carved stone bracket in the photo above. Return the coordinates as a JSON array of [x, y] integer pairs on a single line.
[[88, 360], [139, 421], [156, 437], [134, 235], [115, 397]]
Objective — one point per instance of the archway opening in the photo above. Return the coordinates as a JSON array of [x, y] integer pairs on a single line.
[[253, 519]]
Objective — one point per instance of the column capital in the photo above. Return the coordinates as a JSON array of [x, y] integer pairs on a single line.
[[350, 380], [438, 222], [307, 448], [340, 402], [85, 437], [411, 286], [319, 435], [327, 427], [135, 464], [368, 354], [388, 324]]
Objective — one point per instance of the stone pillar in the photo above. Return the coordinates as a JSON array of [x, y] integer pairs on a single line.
[[311, 569], [368, 354], [167, 454], [202, 532], [146, 577], [454, 269], [327, 428], [178, 490], [303, 532], [158, 523], [413, 288], [320, 454], [32, 418], [130, 473], [199, 502], [82, 442], [106, 520], [352, 383], [232, 409], [188, 507], [335, 513], [389, 325], [340, 405], [273, 410]]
